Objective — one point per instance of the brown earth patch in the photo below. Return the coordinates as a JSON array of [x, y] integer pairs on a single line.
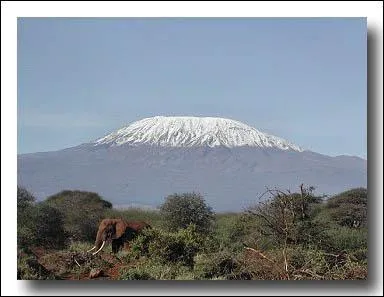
[[69, 265]]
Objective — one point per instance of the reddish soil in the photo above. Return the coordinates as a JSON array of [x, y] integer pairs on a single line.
[[61, 263], [39, 251]]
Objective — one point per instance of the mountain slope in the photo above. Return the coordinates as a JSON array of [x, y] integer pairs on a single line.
[[126, 168]]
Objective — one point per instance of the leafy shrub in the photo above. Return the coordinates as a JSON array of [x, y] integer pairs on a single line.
[[38, 223], [301, 263], [25, 223], [312, 233], [351, 270], [178, 247], [166, 247], [349, 215], [344, 238], [317, 264], [28, 268], [135, 274], [293, 263], [360, 255], [181, 210], [140, 245], [82, 211], [358, 196], [24, 198], [79, 246], [49, 227], [214, 265], [311, 260], [154, 270], [349, 208], [25, 237], [232, 230]]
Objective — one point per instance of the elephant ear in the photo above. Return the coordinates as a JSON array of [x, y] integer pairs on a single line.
[[120, 228]]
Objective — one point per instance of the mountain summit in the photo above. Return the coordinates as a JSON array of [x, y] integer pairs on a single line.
[[193, 132], [228, 162]]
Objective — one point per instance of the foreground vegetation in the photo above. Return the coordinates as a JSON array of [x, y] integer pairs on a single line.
[[287, 236]]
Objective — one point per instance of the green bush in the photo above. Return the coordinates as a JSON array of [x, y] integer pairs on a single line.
[[154, 270], [317, 264], [215, 265], [49, 228], [134, 273], [344, 238], [360, 255], [28, 268], [26, 235], [166, 247], [24, 199], [303, 258], [25, 223], [181, 210], [349, 208], [82, 212], [349, 215], [230, 229], [358, 196], [350, 270], [178, 247], [301, 263], [312, 233], [38, 223]]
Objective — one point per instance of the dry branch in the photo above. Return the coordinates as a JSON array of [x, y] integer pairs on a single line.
[[260, 254]]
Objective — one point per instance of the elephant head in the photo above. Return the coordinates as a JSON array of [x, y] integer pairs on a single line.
[[116, 231]]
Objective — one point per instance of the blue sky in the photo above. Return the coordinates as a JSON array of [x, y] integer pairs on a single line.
[[303, 79]]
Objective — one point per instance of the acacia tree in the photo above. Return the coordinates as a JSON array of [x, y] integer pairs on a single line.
[[282, 216], [181, 210]]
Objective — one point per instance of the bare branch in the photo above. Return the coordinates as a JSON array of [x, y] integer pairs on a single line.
[[260, 254]]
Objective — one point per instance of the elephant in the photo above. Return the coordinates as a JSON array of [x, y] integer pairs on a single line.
[[117, 232]]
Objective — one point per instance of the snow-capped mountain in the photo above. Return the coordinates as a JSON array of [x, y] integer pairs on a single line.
[[192, 132], [228, 162]]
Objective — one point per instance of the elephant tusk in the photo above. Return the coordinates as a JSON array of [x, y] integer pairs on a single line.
[[91, 249], [76, 262], [99, 248]]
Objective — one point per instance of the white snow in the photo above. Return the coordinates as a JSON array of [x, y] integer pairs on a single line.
[[193, 131]]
